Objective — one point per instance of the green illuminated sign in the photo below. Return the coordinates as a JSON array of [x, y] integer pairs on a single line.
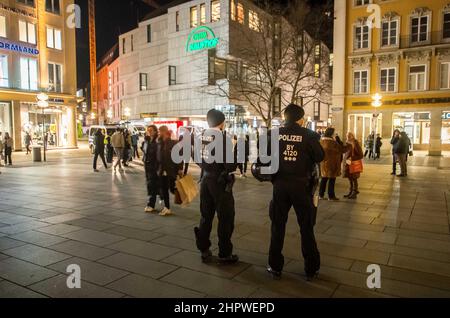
[[201, 38]]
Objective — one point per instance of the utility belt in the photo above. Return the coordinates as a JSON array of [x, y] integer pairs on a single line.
[[222, 178]]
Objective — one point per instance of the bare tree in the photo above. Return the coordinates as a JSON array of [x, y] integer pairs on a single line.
[[278, 61]]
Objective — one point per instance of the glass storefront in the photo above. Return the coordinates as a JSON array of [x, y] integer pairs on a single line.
[[53, 122], [362, 125], [446, 128], [5, 119], [416, 125]]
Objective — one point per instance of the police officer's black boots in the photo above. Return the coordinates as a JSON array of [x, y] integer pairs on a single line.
[[275, 274], [232, 259], [311, 277]]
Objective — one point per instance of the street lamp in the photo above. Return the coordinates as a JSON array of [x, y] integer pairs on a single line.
[[93, 116], [42, 102], [376, 103], [127, 113], [109, 114]]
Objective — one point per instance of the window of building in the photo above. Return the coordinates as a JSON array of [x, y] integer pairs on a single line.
[[27, 2], [232, 70], [417, 78], [445, 75], [215, 11], [2, 26], [55, 77], [203, 14], [389, 33], [172, 75], [419, 29], [54, 40], [253, 20], [446, 26], [27, 32], [362, 2], [4, 82], [361, 37], [233, 10], [177, 21], [28, 74], [149, 33], [277, 101], [360, 82], [388, 80], [240, 13], [124, 48], [143, 84], [194, 17], [53, 6], [316, 110]]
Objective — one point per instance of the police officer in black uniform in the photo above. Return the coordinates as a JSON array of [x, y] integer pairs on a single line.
[[216, 195], [299, 153]]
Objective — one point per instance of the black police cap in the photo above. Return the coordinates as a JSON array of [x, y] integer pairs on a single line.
[[293, 113], [215, 118]]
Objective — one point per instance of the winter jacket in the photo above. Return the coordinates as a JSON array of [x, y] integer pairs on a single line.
[[150, 158], [354, 153], [402, 146], [99, 142], [331, 165], [394, 141], [166, 166], [117, 140]]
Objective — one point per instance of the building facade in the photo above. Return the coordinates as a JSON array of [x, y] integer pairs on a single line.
[[37, 54], [108, 85], [400, 50], [172, 62]]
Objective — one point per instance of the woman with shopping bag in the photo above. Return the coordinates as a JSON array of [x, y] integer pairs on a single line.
[[353, 165]]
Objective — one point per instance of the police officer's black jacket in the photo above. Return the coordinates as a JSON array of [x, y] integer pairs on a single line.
[[150, 149], [216, 169], [99, 142], [299, 152]]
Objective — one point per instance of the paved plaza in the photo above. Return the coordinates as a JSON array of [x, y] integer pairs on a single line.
[[63, 213]]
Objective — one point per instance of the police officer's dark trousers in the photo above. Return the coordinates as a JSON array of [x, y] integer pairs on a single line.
[[102, 156], [287, 193], [152, 185], [213, 197]]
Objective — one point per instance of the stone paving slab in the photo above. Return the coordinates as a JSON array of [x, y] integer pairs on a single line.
[[402, 225], [56, 287], [10, 290]]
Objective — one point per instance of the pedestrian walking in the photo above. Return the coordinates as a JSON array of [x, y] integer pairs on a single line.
[[352, 156], [99, 149], [134, 144], [378, 145], [395, 139], [216, 194], [8, 144], [118, 143], [109, 149], [2, 149], [126, 157], [299, 153], [401, 150], [331, 166], [167, 169], [28, 141], [369, 145], [150, 159]]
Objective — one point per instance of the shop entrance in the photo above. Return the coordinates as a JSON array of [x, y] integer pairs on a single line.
[[362, 125], [416, 125], [5, 119]]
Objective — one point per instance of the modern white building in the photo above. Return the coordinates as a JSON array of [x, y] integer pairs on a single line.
[[172, 62]]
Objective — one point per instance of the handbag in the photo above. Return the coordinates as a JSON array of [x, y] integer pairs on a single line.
[[356, 167]]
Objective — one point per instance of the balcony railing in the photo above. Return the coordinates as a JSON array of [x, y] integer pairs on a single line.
[[425, 39]]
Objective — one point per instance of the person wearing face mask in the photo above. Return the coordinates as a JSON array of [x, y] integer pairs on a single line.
[[299, 153], [150, 159]]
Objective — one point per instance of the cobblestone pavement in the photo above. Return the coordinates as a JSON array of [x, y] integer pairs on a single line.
[[61, 213]]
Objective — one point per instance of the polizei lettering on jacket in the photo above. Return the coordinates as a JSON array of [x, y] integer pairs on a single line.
[[291, 138]]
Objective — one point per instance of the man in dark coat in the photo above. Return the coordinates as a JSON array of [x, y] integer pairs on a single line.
[[99, 143], [401, 150]]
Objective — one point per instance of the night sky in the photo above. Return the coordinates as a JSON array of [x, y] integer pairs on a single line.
[[115, 17]]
